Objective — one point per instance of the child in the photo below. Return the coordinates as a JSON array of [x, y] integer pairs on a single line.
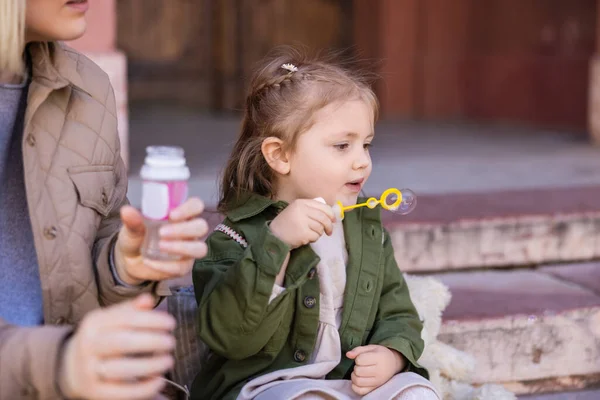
[[292, 303]]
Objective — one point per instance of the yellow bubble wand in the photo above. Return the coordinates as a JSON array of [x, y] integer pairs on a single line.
[[398, 201]]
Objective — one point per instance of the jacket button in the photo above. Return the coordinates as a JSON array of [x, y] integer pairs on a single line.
[[310, 302], [311, 273], [104, 197], [50, 233], [31, 140], [368, 286], [299, 356]]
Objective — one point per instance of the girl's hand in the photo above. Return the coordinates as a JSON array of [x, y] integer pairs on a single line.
[[374, 366], [303, 222], [182, 237], [120, 352]]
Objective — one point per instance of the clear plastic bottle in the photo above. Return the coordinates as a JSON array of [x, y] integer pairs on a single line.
[[165, 186]]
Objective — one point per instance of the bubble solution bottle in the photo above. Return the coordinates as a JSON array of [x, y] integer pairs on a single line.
[[165, 178]]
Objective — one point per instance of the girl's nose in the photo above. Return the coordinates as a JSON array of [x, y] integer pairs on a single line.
[[362, 161]]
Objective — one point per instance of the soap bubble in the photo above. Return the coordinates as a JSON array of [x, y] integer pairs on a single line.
[[407, 205]]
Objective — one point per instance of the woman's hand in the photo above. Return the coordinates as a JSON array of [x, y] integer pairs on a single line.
[[119, 352], [181, 237]]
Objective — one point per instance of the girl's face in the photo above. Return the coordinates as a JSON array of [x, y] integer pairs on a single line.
[[331, 160], [51, 20]]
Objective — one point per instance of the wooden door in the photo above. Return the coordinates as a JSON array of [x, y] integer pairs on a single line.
[[201, 52], [528, 61], [493, 60]]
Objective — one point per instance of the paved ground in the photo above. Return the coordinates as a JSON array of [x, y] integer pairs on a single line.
[[585, 395], [430, 158]]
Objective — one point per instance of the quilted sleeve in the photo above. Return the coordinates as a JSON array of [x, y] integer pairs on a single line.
[[29, 361]]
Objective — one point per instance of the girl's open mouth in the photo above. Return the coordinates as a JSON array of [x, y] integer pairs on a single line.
[[355, 186]]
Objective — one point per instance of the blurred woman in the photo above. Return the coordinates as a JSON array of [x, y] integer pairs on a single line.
[[69, 242]]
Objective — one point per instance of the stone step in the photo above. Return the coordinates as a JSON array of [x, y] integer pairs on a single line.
[[532, 330], [498, 229]]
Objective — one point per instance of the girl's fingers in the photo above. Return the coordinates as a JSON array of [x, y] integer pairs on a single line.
[[364, 382], [315, 227], [362, 390], [366, 359], [365, 372], [324, 208], [322, 219]]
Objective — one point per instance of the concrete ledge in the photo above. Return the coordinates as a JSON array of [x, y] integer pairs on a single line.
[[496, 242]]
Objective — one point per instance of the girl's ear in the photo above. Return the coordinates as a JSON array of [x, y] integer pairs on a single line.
[[272, 150]]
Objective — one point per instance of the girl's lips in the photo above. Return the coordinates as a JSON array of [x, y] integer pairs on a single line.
[[355, 186]]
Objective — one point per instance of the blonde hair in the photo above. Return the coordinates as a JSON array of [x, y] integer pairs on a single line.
[[12, 36], [281, 102]]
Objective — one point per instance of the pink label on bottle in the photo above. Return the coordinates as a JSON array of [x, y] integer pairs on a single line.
[[160, 198]]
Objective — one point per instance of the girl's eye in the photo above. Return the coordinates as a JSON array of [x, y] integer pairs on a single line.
[[341, 146], [367, 146]]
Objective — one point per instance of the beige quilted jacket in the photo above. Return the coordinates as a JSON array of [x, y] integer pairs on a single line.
[[75, 182]]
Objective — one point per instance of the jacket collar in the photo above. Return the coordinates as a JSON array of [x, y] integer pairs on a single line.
[[250, 204], [55, 66]]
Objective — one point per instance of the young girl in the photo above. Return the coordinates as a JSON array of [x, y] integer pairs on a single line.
[[293, 303]]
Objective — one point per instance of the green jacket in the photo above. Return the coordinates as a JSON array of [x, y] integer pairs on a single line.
[[250, 337]]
